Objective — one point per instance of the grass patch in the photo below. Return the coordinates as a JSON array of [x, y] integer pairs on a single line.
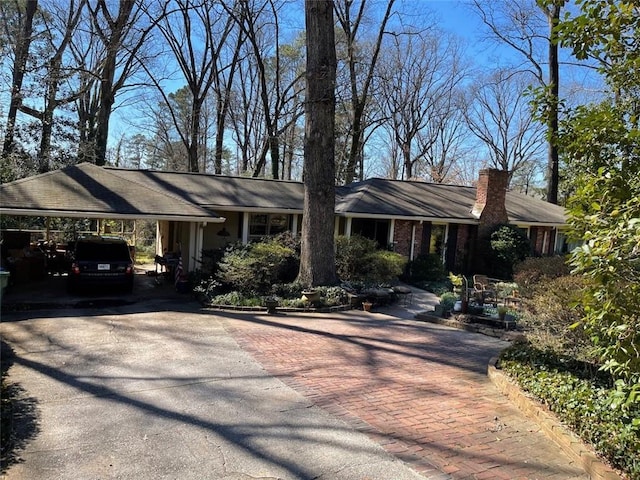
[[581, 396]]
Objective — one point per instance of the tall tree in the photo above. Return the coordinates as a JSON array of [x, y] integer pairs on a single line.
[[317, 258], [23, 36], [361, 66], [260, 24], [500, 115], [552, 10], [519, 25], [60, 25], [223, 92], [121, 33], [196, 33], [419, 80]]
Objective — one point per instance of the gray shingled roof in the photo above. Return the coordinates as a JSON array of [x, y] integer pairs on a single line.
[[91, 191], [87, 190], [395, 198], [222, 192], [431, 201]]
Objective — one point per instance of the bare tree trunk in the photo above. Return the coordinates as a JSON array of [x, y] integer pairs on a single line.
[[54, 74], [223, 101], [192, 147], [113, 43], [20, 63], [317, 258], [406, 158], [359, 100], [553, 173]]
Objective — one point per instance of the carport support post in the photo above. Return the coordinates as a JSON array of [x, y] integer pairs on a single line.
[[196, 234]]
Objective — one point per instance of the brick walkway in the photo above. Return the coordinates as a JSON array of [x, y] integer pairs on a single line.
[[418, 389]]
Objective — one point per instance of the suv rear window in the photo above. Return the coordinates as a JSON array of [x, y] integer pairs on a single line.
[[102, 251]]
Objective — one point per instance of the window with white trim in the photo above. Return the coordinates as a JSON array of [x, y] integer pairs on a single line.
[[262, 224]]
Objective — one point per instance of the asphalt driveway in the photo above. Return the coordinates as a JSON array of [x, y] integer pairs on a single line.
[[157, 390], [137, 393]]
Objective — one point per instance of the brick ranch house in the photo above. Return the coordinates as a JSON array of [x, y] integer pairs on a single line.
[[202, 211]]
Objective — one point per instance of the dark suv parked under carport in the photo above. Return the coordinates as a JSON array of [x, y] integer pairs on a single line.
[[99, 261]]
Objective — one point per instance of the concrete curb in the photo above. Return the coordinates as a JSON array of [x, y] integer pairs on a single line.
[[570, 443]]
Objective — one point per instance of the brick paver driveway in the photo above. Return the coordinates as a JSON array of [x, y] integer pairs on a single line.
[[418, 389]]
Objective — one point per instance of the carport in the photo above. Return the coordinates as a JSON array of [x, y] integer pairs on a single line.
[[90, 192]]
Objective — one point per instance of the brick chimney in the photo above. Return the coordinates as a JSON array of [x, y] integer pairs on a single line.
[[489, 206]]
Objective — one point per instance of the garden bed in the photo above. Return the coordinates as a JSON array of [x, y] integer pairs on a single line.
[[261, 309], [490, 326]]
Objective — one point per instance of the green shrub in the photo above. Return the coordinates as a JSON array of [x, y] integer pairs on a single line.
[[509, 245], [332, 296], [287, 290], [579, 393], [236, 298], [351, 257], [359, 260], [425, 268], [255, 267], [448, 300], [385, 266]]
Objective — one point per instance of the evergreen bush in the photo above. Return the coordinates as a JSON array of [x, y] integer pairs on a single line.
[[358, 259], [509, 245], [255, 267]]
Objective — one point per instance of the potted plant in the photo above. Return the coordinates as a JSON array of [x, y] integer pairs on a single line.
[[366, 305], [460, 288], [502, 312], [456, 282], [311, 296], [271, 303], [447, 301]]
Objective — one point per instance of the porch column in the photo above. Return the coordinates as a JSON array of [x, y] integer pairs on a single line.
[[193, 241], [392, 228], [347, 227], [445, 242], [336, 226], [245, 227], [294, 224]]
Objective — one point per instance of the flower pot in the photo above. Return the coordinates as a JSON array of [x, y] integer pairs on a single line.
[[366, 306], [271, 305], [311, 295]]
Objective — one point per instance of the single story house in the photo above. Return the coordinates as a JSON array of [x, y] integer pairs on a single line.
[[196, 212]]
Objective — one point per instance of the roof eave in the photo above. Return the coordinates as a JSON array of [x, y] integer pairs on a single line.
[[416, 218], [538, 224], [253, 209], [111, 216]]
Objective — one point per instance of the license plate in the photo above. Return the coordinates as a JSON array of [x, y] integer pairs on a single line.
[[104, 266]]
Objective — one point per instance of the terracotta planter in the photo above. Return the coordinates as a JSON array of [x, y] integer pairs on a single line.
[[366, 306]]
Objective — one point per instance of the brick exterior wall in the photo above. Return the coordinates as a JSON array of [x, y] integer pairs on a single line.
[[491, 192], [539, 241], [460, 261], [402, 237]]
